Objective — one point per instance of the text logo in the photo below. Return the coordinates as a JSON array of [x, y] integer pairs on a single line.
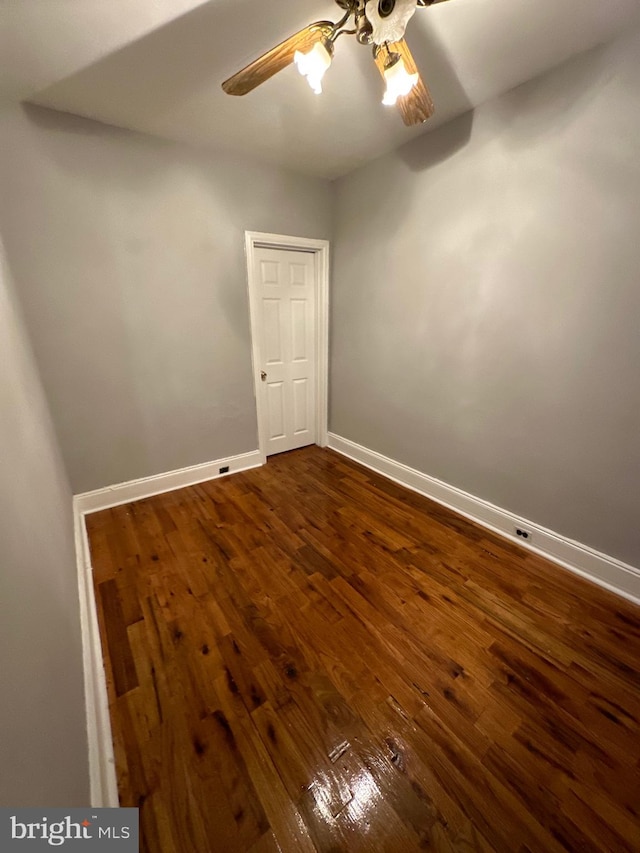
[[71, 829]]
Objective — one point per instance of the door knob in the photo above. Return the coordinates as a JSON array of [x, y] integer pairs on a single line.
[[263, 375]]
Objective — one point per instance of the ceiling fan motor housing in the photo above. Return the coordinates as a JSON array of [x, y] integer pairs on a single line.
[[389, 18]]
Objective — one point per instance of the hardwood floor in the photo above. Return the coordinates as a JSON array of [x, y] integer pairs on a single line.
[[307, 657]]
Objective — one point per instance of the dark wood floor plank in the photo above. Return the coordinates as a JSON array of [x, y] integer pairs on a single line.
[[122, 663], [243, 735], [308, 657]]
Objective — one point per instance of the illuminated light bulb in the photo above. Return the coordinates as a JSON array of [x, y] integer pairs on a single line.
[[312, 65], [399, 81]]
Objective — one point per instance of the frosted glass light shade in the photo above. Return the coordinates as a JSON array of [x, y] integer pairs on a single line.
[[313, 64], [399, 82]]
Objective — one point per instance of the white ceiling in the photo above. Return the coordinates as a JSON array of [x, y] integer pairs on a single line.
[[152, 73]]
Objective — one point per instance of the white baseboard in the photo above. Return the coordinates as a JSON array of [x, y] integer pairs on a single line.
[[102, 768], [606, 571], [147, 487]]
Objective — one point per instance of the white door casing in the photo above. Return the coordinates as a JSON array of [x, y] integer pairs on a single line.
[[288, 299]]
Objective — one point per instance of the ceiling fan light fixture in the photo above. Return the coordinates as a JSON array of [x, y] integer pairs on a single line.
[[399, 81], [313, 64]]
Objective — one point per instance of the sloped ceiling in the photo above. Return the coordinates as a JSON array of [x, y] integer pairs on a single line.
[[157, 67], [42, 41]]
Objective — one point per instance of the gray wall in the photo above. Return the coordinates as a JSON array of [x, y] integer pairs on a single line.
[[486, 302], [128, 253], [43, 740]]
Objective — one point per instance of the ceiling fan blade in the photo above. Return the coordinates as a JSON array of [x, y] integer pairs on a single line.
[[276, 59], [417, 106]]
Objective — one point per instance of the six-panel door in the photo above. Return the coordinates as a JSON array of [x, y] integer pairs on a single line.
[[287, 318]]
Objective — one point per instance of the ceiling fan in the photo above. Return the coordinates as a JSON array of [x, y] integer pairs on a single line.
[[379, 23]]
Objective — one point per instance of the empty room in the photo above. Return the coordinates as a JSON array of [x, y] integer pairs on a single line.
[[320, 418]]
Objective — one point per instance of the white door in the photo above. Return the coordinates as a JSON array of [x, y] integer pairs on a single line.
[[285, 327]]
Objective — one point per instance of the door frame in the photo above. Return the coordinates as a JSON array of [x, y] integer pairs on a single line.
[[320, 248]]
